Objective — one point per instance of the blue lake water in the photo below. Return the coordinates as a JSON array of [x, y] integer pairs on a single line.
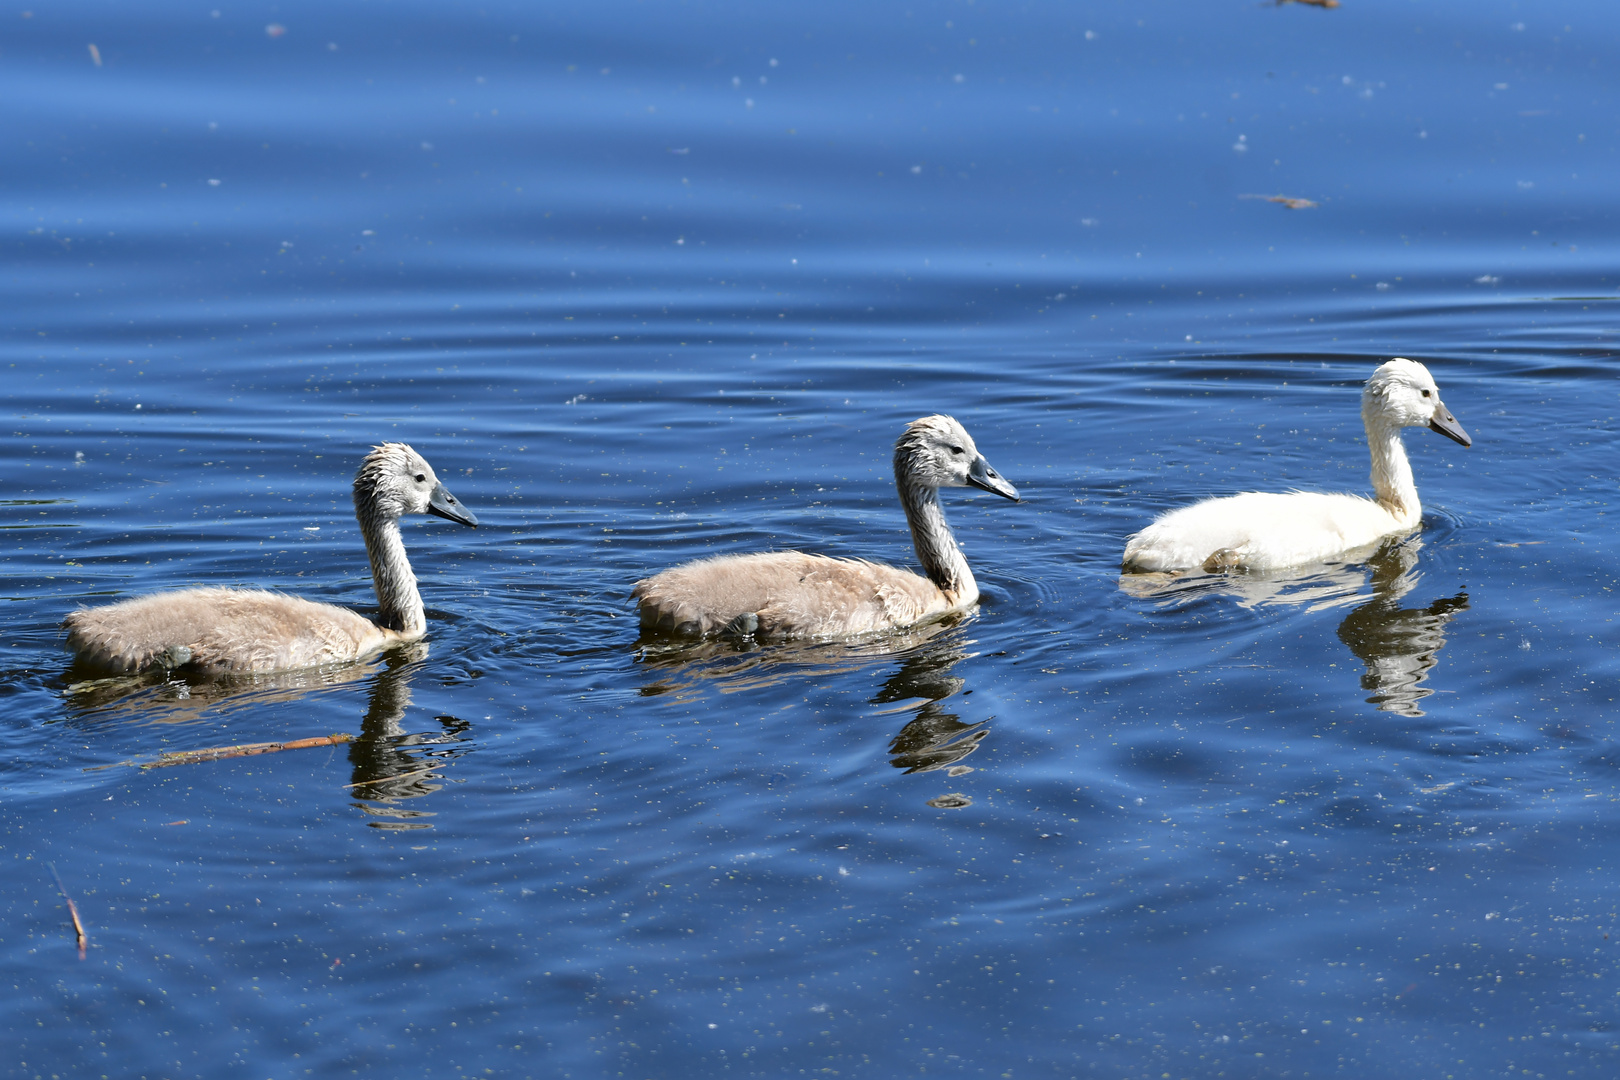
[[650, 281]]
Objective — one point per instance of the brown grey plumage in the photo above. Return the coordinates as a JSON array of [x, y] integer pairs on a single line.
[[792, 594], [219, 630]]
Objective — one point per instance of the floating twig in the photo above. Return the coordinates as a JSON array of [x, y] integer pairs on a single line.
[[187, 757], [1285, 200], [1312, 3], [73, 910], [214, 753]]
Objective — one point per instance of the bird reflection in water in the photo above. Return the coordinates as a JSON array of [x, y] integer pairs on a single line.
[[387, 765], [390, 766], [1398, 645], [932, 739]]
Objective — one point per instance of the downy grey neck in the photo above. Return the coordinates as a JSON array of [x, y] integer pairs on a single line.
[[398, 601], [941, 559]]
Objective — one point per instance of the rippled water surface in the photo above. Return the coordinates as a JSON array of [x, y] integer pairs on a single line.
[[647, 282]]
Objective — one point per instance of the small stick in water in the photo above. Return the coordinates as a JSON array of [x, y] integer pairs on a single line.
[[214, 753], [73, 910]]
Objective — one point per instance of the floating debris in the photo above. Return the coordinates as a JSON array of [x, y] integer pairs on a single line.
[[959, 770], [73, 910], [953, 801], [1284, 200], [1312, 3], [214, 753], [95, 55]]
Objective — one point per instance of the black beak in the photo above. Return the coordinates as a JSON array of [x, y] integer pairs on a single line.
[[981, 475], [443, 504], [1447, 425]]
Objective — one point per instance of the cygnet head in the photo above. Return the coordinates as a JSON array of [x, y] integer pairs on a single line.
[[937, 452], [1402, 393], [395, 480]]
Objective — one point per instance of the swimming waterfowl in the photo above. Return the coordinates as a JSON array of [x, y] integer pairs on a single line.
[[221, 630], [1262, 530], [792, 594]]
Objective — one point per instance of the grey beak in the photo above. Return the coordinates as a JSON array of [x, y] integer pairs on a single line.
[[981, 475], [443, 504], [1447, 425]]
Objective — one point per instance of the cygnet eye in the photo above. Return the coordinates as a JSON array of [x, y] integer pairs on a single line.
[[957, 450], [421, 478], [1425, 393]]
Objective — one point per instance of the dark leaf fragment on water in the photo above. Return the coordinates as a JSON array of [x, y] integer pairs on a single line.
[[1284, 200], [952, 801]]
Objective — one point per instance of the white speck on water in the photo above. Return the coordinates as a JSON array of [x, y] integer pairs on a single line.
[[748, 103], [915, 169], [312, 528], [1242, 145], [1091, 35], [213, 183], [1517, 28], [818, 1008], [1524, 645], [774, 61], [1382, 286], [959, 78], [1486, 279], [843, 871], [368, 232], [427, 146]]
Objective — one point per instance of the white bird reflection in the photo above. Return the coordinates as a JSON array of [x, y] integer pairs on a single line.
[[1399, 646]]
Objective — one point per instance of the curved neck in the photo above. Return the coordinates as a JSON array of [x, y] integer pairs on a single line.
[[399, 603], [941, 559], [1392, 474]]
